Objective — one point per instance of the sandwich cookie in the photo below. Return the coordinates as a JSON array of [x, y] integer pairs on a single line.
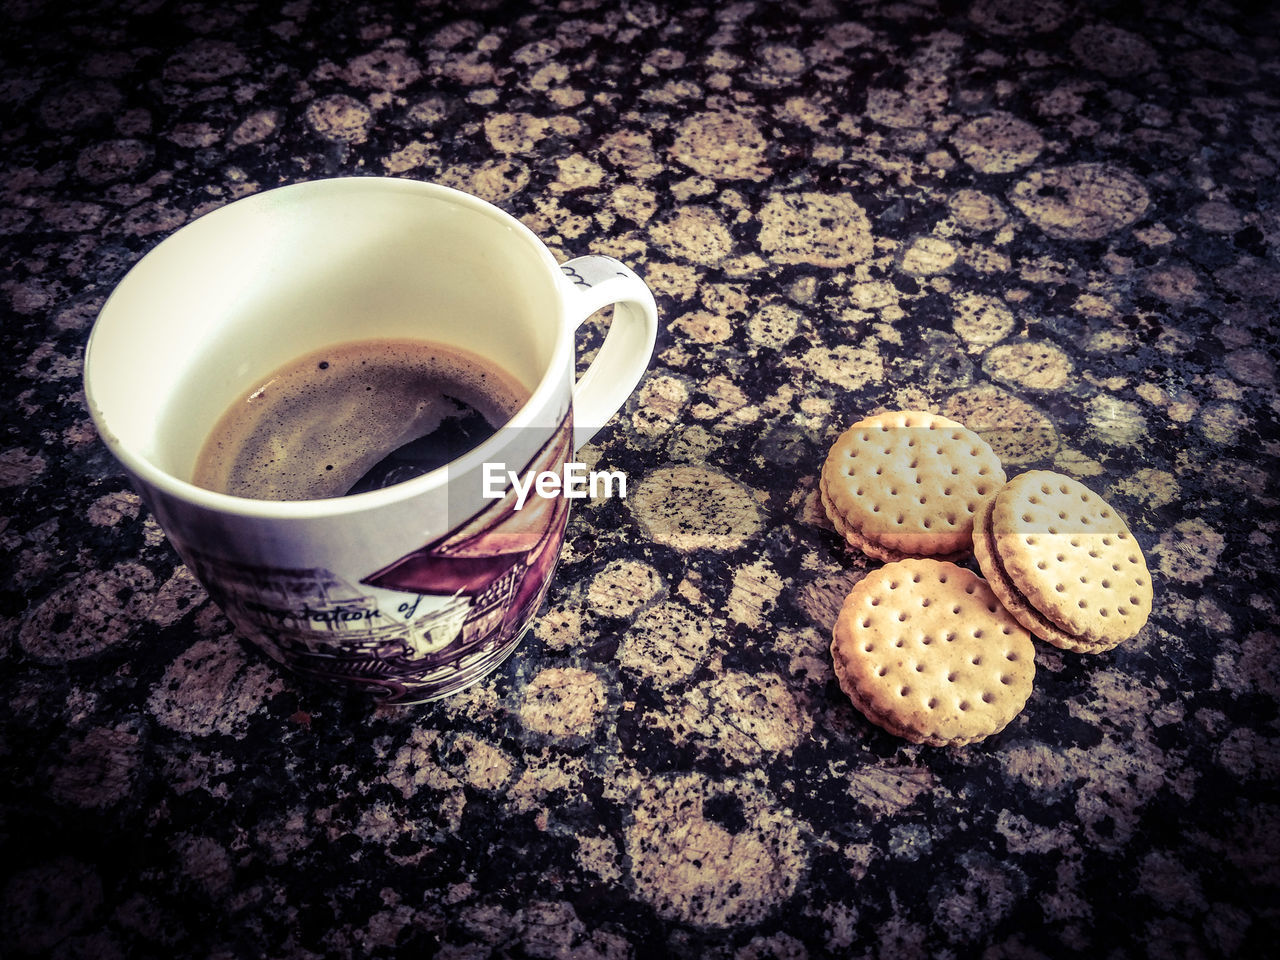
[[908, 484], [924, 650], [1063, 562]]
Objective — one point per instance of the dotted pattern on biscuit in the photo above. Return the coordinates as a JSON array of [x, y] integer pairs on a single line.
[[923, 649], [908, 483], [1072, 557], [869, 547], [1018, 606]]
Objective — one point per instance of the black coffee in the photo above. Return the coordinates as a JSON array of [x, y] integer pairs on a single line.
[[354, 418]]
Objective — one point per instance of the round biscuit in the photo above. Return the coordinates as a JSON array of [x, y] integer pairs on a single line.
[[908, 484], [984, 551], [923, 649], [1072, 557]]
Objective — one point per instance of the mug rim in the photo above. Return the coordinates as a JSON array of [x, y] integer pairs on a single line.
[[184, 490]]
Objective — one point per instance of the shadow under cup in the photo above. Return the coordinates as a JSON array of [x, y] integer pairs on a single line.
[[410, 592]]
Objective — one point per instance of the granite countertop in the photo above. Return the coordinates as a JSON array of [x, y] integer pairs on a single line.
[[1056, 222]]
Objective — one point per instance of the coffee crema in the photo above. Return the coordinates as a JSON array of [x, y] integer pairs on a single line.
[[355, 417]]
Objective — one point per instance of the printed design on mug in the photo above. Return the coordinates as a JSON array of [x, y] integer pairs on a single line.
[[485, 579], [494, 568]]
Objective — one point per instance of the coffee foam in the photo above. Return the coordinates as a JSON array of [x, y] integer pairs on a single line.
[[314, 427]]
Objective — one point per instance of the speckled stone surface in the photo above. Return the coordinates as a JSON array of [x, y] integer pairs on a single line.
[[1056, 222]]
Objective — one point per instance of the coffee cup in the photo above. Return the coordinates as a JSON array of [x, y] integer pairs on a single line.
[[417, 589]]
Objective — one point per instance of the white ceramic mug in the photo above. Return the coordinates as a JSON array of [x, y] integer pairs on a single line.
[[416, 590]]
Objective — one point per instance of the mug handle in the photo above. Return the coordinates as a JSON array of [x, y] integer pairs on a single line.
[[595, 282]]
